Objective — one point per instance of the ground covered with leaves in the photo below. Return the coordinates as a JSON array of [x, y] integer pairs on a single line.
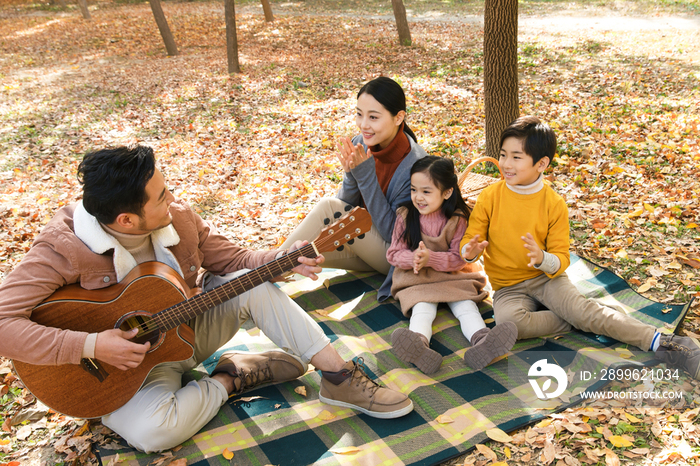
[[254, 152]]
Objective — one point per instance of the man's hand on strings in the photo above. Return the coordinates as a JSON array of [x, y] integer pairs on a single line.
[[309, 267]]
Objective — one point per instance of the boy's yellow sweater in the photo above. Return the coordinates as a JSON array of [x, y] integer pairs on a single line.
[[502, 216]]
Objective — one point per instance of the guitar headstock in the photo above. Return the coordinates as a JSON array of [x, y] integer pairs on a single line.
[[348, 227]]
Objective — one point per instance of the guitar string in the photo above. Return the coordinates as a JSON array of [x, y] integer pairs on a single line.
[[171, 316], [168, 318]]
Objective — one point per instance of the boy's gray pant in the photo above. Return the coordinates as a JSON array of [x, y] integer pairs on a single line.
[[523, 305]]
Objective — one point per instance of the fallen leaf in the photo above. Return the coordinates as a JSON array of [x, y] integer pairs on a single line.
[[619, 441], [548, 452], [611, 458], [624, 353], [544, 423], [301, 390], [644, 288], [498, 435], [227, 454], [444, 419], [23, 433], [326, 415], [248, 399], [694, 263], [486, 451], [345, 450]]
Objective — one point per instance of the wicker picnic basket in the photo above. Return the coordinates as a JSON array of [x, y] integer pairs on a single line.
[[471, 184]]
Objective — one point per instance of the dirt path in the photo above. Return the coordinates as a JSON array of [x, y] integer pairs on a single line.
[[609, 22]]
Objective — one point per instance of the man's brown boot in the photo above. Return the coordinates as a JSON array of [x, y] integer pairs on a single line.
[[488, 344], [350, 387], [252, 369], [412, 347]]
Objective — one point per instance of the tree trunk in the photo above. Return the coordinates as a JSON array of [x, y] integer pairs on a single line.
[[84, 9], [401, 22], [231, 39], [268, 10], [500, 69], [163, 27]]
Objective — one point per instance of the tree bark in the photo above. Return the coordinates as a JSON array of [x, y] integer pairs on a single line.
[[231, 39], [163, 27], [401, 22], [500, 69], [84, 9], [268, 10]]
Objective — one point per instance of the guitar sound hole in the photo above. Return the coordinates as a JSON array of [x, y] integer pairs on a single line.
[[148, 329]]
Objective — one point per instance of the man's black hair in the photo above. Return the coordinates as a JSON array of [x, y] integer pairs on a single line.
[[114, 181]]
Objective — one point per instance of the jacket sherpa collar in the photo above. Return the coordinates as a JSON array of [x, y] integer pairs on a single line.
[[90, 232]]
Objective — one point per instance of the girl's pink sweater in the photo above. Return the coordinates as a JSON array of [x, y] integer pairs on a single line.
[[432, 224]]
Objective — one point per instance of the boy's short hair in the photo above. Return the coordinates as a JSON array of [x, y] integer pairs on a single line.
[[538, 138]]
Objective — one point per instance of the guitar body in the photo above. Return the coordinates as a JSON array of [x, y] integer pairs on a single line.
[[147, 289]]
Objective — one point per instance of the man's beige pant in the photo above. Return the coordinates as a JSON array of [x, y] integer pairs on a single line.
[[163, 413], [523, 305], [364, 255]]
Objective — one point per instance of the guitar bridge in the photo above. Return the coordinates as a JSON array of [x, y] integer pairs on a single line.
[[93, 367]]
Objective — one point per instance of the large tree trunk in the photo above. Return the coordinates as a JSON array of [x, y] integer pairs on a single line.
[[231, 39], [401, 22], [500, 69], [268, 10], [163, 27], [84, 9]]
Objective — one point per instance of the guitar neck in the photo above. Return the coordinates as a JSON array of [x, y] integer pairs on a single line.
[[189, 309]]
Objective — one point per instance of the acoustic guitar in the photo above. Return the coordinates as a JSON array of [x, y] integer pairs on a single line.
[[155, 299]]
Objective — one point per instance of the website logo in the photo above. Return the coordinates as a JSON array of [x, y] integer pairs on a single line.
[[544, 369]]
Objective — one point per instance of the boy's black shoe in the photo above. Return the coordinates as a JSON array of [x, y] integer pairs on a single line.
[[683, 352]]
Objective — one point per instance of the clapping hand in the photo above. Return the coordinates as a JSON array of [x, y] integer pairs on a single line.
[[351, 156], [535, 254], [473, 248], [420, 257]]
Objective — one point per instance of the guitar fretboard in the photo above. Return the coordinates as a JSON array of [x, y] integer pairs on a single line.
[[190, 308]]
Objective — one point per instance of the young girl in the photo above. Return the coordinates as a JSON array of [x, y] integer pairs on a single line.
[[428, 269], [377, 165]]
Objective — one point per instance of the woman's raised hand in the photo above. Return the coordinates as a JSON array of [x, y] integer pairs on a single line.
[[351, 156]]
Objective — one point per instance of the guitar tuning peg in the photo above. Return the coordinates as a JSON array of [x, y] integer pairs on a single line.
[[348, 208], [326, 221], [340, 248], [351, 241], [337, 214], [361, 236]]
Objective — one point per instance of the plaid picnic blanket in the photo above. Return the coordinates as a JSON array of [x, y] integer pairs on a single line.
[[278, 425]]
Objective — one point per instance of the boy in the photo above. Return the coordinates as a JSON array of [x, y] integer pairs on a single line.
[[522, 210]]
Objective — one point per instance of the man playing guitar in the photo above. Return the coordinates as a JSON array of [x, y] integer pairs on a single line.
[[129, 217]]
